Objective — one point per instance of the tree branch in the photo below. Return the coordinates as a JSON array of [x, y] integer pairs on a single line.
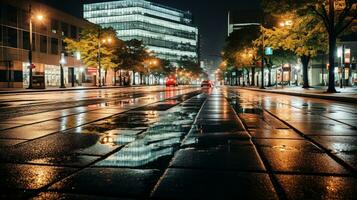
[[342, 17], [338, 32], [322, 15]]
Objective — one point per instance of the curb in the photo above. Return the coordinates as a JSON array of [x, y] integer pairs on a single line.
[[352, 100]]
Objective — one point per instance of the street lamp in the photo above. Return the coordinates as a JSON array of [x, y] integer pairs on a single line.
[[286, 23], [39, 17], [100, 42], [263, 56]]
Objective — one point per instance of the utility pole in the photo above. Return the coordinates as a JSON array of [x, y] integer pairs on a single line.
[[263, 48], [30, 51]]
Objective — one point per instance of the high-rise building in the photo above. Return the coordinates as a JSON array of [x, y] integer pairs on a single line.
[[166, 31]]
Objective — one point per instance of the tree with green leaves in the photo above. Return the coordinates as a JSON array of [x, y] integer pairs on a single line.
[[191, 66], [95, 46], [337, 16], [239, 51], [305, 37], [119, 60], [132, 56]]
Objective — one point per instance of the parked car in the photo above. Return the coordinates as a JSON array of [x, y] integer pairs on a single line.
[[206, 83], [171, 82]]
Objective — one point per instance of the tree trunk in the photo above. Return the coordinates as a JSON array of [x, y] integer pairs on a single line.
[[120, 78], [231, 79], [269, 76], [238, 80], [331, 75], [105, 76], [115, 77], [243, 78], [332, 46], [141, 78], [248, 77], [253, 77], [134, 78], [305, 64]]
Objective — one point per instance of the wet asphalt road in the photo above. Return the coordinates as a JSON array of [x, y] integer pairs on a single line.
[[176, 143]]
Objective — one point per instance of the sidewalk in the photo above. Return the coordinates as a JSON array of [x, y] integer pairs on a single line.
[[344, 95], [56, 89]]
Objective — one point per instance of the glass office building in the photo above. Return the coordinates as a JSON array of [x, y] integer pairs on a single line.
[[168, 32]]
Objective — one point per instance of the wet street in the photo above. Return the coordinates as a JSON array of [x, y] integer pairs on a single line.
[[176, 143]]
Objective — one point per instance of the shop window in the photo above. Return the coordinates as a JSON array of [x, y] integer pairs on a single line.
[[9, 13], [54, 46], [74, 32], [43, 44], [18, 76], [26, 41], [64, 28], [63, 49], [25, 18], [54, 25], [9, 37]]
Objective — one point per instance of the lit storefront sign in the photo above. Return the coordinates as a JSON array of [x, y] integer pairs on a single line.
[[268, 51], [347, 56]]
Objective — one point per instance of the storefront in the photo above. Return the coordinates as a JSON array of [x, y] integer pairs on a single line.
[[53, 75]]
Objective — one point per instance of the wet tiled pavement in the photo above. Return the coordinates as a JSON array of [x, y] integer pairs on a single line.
[[185, 143]]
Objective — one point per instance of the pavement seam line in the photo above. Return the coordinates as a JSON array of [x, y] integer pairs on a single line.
[[173, 156], [277, 186], [325, 150]]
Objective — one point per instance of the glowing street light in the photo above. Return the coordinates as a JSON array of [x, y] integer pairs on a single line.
[[286, 23], [39, 17]]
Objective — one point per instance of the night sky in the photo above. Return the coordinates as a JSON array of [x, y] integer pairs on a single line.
[[209, 15]]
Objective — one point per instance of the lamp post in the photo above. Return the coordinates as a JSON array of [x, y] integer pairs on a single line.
[[263, 56], [39, 17]]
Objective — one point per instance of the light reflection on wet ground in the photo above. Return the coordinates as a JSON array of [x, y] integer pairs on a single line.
[[301, 136], [161, 139], [182, 144]]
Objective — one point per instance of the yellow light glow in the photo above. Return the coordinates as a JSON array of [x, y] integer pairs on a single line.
[[40, 17]]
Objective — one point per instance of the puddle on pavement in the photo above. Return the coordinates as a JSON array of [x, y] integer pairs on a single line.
[[154, 147], [243, 107], [284, 148], [144, 138]]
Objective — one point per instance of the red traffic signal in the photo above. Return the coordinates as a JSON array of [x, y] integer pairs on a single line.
[[32, 66]]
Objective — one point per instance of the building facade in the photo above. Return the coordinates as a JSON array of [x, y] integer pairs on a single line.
[[166, 31], [48, 46]]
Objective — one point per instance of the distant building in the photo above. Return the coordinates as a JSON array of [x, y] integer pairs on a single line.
[[47, 45], [168, 32]]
